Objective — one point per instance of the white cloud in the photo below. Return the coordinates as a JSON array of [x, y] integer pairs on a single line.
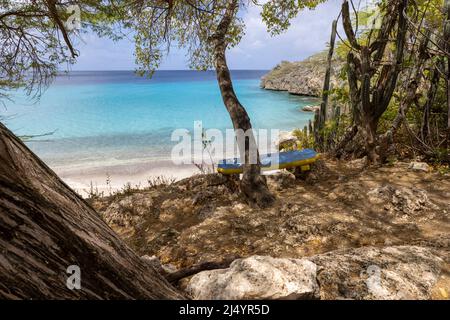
[[308, 34]]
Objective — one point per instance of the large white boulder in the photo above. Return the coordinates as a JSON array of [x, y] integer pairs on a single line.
[[419, 166], [258, 277], [368, 273]]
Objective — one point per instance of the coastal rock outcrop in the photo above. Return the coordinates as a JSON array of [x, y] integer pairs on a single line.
[[370, 273], [303, 77], [258, 277]]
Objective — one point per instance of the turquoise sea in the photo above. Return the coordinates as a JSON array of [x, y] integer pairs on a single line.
[[117, 116]]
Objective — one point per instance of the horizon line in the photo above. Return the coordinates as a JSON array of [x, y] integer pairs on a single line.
[[161, 70]]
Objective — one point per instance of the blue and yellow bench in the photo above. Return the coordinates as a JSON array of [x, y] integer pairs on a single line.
[[284, 160]]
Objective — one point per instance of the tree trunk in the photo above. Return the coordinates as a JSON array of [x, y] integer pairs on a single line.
[[45, 227], [370, 134], [253, 185]]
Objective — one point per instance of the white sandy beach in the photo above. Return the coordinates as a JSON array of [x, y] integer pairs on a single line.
[[107, 175], [80, 178]]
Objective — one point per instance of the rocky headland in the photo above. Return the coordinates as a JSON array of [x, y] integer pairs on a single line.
[[301, 77]]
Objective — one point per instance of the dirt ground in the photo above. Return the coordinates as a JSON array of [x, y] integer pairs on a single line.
[[340, 205]]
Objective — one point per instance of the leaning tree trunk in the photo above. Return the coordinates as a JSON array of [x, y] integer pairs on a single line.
[[253, 185], [45, 227]]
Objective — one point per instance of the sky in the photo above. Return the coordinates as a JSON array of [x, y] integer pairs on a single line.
[[309, 33]]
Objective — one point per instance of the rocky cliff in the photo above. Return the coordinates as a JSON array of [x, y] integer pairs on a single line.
[[302, 77]]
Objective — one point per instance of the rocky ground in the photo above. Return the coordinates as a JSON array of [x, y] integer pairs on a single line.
[[342, 218]]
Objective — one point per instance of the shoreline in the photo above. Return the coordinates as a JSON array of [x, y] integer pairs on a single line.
[[111, 178]]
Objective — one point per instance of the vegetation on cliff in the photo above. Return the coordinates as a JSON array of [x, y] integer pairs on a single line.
[[302, 77]]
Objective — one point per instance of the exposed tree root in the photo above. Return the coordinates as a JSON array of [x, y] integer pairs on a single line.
[[176, 276]]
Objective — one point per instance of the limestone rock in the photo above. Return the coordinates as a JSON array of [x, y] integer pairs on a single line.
[[419, 166], [311, 108], [369, 273], [285, 139], [257, 277], [402, 199], [399, 272]]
